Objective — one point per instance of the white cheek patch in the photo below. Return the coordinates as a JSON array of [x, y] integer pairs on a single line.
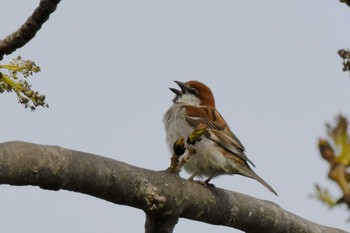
[[188, 99]]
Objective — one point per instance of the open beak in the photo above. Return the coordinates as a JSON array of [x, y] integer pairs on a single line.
[[182, 85], [176, 91]]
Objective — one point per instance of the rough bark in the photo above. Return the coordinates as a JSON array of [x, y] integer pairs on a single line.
[[164, 197], [28, 30]]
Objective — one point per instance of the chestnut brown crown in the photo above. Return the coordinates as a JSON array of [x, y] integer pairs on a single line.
[[204, 93]]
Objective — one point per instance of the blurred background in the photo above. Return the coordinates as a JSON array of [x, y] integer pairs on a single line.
[[106, 69]]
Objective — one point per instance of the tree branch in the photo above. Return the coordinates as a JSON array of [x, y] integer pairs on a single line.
[[164, 197], [28, 30]]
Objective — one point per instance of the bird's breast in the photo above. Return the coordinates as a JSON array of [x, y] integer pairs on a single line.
[[208, 160], [175, 125]]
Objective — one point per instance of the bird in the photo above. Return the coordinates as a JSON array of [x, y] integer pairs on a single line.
[[219, 151]]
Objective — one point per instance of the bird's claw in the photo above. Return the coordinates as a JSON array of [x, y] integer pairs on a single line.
[[204, 183]]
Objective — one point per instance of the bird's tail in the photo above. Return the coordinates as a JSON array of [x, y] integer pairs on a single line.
[[254, 176]]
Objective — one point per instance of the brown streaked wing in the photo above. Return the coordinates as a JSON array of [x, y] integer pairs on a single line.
[[218, 130]]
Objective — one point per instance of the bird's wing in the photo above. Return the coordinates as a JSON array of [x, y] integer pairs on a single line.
[[217, 128]]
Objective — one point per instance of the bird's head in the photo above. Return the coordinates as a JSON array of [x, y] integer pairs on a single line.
[[193, 93]]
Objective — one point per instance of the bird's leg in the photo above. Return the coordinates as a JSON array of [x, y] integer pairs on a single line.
[[204, 183], [207, 182], [197, 181], [191, 177]]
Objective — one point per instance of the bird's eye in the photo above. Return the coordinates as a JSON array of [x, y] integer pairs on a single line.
[[193, 91]]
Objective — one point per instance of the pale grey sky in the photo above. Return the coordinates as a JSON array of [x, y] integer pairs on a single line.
[[106, 68]]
